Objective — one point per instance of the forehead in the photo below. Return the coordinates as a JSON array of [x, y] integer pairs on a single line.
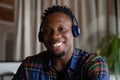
[[56, 16]]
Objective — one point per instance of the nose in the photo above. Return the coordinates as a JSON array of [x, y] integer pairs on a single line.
[[55, 35]]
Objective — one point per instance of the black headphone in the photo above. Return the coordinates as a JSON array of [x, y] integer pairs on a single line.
[[75, 31]]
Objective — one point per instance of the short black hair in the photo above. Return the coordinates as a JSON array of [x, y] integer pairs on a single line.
[[58, 8]]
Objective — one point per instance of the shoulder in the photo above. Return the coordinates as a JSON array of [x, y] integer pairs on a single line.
[[89, 57], [31, 63], [37, 59], [93, 64]]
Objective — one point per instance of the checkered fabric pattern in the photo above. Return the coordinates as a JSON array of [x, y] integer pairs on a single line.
[[83, 66]]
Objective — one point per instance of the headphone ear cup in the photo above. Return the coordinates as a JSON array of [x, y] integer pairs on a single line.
[[40, 36], [76, 31]]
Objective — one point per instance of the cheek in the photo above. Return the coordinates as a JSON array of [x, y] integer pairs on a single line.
[[70, 38], [45, 39]]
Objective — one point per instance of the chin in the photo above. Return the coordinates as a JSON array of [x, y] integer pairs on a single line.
[[58, 54]]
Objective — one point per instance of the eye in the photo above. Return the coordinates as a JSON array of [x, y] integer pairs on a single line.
[[47, 31], [62, 29]]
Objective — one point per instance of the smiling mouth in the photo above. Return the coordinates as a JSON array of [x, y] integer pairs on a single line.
[[56, 45]]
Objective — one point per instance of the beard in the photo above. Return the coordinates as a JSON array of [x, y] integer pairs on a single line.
[[61, 54]]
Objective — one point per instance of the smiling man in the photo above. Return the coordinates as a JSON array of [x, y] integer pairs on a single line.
[[57, 34], [61, 61]]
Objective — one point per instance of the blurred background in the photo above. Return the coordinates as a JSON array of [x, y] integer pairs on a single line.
[[99, 22]]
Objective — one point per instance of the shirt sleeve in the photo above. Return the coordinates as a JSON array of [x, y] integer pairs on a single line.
[[97, 68], [20, 74]]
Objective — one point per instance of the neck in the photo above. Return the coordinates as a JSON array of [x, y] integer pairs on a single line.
[[61, 63]]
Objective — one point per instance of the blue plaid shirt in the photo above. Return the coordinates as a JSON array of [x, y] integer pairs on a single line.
[[83, 66]]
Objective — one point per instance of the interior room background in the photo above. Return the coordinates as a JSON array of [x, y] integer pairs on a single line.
[[20, 22]]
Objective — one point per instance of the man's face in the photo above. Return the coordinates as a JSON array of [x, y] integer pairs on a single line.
[[57, 33]]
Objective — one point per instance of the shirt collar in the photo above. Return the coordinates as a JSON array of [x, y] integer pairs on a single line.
[[74, 60]]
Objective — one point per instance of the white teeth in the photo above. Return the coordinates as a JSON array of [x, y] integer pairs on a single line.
[[57, 44]]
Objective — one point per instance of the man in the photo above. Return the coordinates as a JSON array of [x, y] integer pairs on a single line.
[[61, 61]]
